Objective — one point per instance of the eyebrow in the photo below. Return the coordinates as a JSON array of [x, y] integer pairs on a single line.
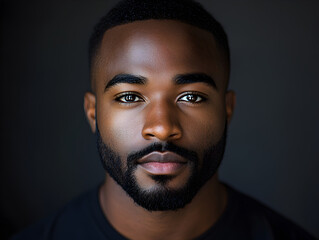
[[179, 79], [195, 78], [125, 78]]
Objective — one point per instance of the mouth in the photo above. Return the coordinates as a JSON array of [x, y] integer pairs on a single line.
[[162, 163]]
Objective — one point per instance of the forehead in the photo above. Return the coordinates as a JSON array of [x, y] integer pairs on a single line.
[[163, 47]]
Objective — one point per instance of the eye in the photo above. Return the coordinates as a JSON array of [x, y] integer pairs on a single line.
[[128, 98], [192, 98]]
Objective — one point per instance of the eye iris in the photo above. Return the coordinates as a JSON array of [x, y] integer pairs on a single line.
[[191, 98], [129, 98]]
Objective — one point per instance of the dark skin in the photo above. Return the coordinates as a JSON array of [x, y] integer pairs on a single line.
[[131, 116]]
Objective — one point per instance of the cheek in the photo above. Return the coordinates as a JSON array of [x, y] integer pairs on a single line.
[[120, 129], [204, 128]]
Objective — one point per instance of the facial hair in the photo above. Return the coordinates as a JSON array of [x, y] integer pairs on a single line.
[[162, 198]]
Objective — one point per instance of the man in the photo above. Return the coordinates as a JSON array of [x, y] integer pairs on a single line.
[[160, 107]]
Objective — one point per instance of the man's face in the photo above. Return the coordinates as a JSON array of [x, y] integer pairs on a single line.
[[161, 108]]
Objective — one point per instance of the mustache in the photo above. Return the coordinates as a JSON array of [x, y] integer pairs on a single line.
[[190, 155]]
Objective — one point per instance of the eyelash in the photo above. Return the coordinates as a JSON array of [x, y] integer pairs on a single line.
[[123, 95], [196, 94], [140, 99]]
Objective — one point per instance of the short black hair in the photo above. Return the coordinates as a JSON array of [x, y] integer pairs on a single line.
[[187, 11]]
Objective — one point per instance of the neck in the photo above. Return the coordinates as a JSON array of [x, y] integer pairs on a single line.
[[134, 222]]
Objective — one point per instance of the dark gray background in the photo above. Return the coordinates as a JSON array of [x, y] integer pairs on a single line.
[[48, 153]]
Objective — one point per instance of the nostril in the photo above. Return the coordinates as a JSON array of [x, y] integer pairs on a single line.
[[175, 136], [163, 130]]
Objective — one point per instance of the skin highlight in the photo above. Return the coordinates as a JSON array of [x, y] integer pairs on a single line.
[[160, 111]]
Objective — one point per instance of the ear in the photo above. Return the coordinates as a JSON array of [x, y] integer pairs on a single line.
[[230, 98], [89, 108]]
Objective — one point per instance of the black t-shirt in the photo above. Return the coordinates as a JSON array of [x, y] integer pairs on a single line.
[[244, 218]]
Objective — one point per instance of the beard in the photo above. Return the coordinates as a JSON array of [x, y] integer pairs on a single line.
[[161, 197]]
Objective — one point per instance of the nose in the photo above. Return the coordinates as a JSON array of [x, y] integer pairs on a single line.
[[161, 122]]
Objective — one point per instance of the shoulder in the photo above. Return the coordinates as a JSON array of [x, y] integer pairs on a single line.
[[261, 220], [66, 223]]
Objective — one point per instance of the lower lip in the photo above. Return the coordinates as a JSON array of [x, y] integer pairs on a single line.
[[158, 168]]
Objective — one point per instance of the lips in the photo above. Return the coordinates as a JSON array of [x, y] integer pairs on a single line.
[[166, 163]]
